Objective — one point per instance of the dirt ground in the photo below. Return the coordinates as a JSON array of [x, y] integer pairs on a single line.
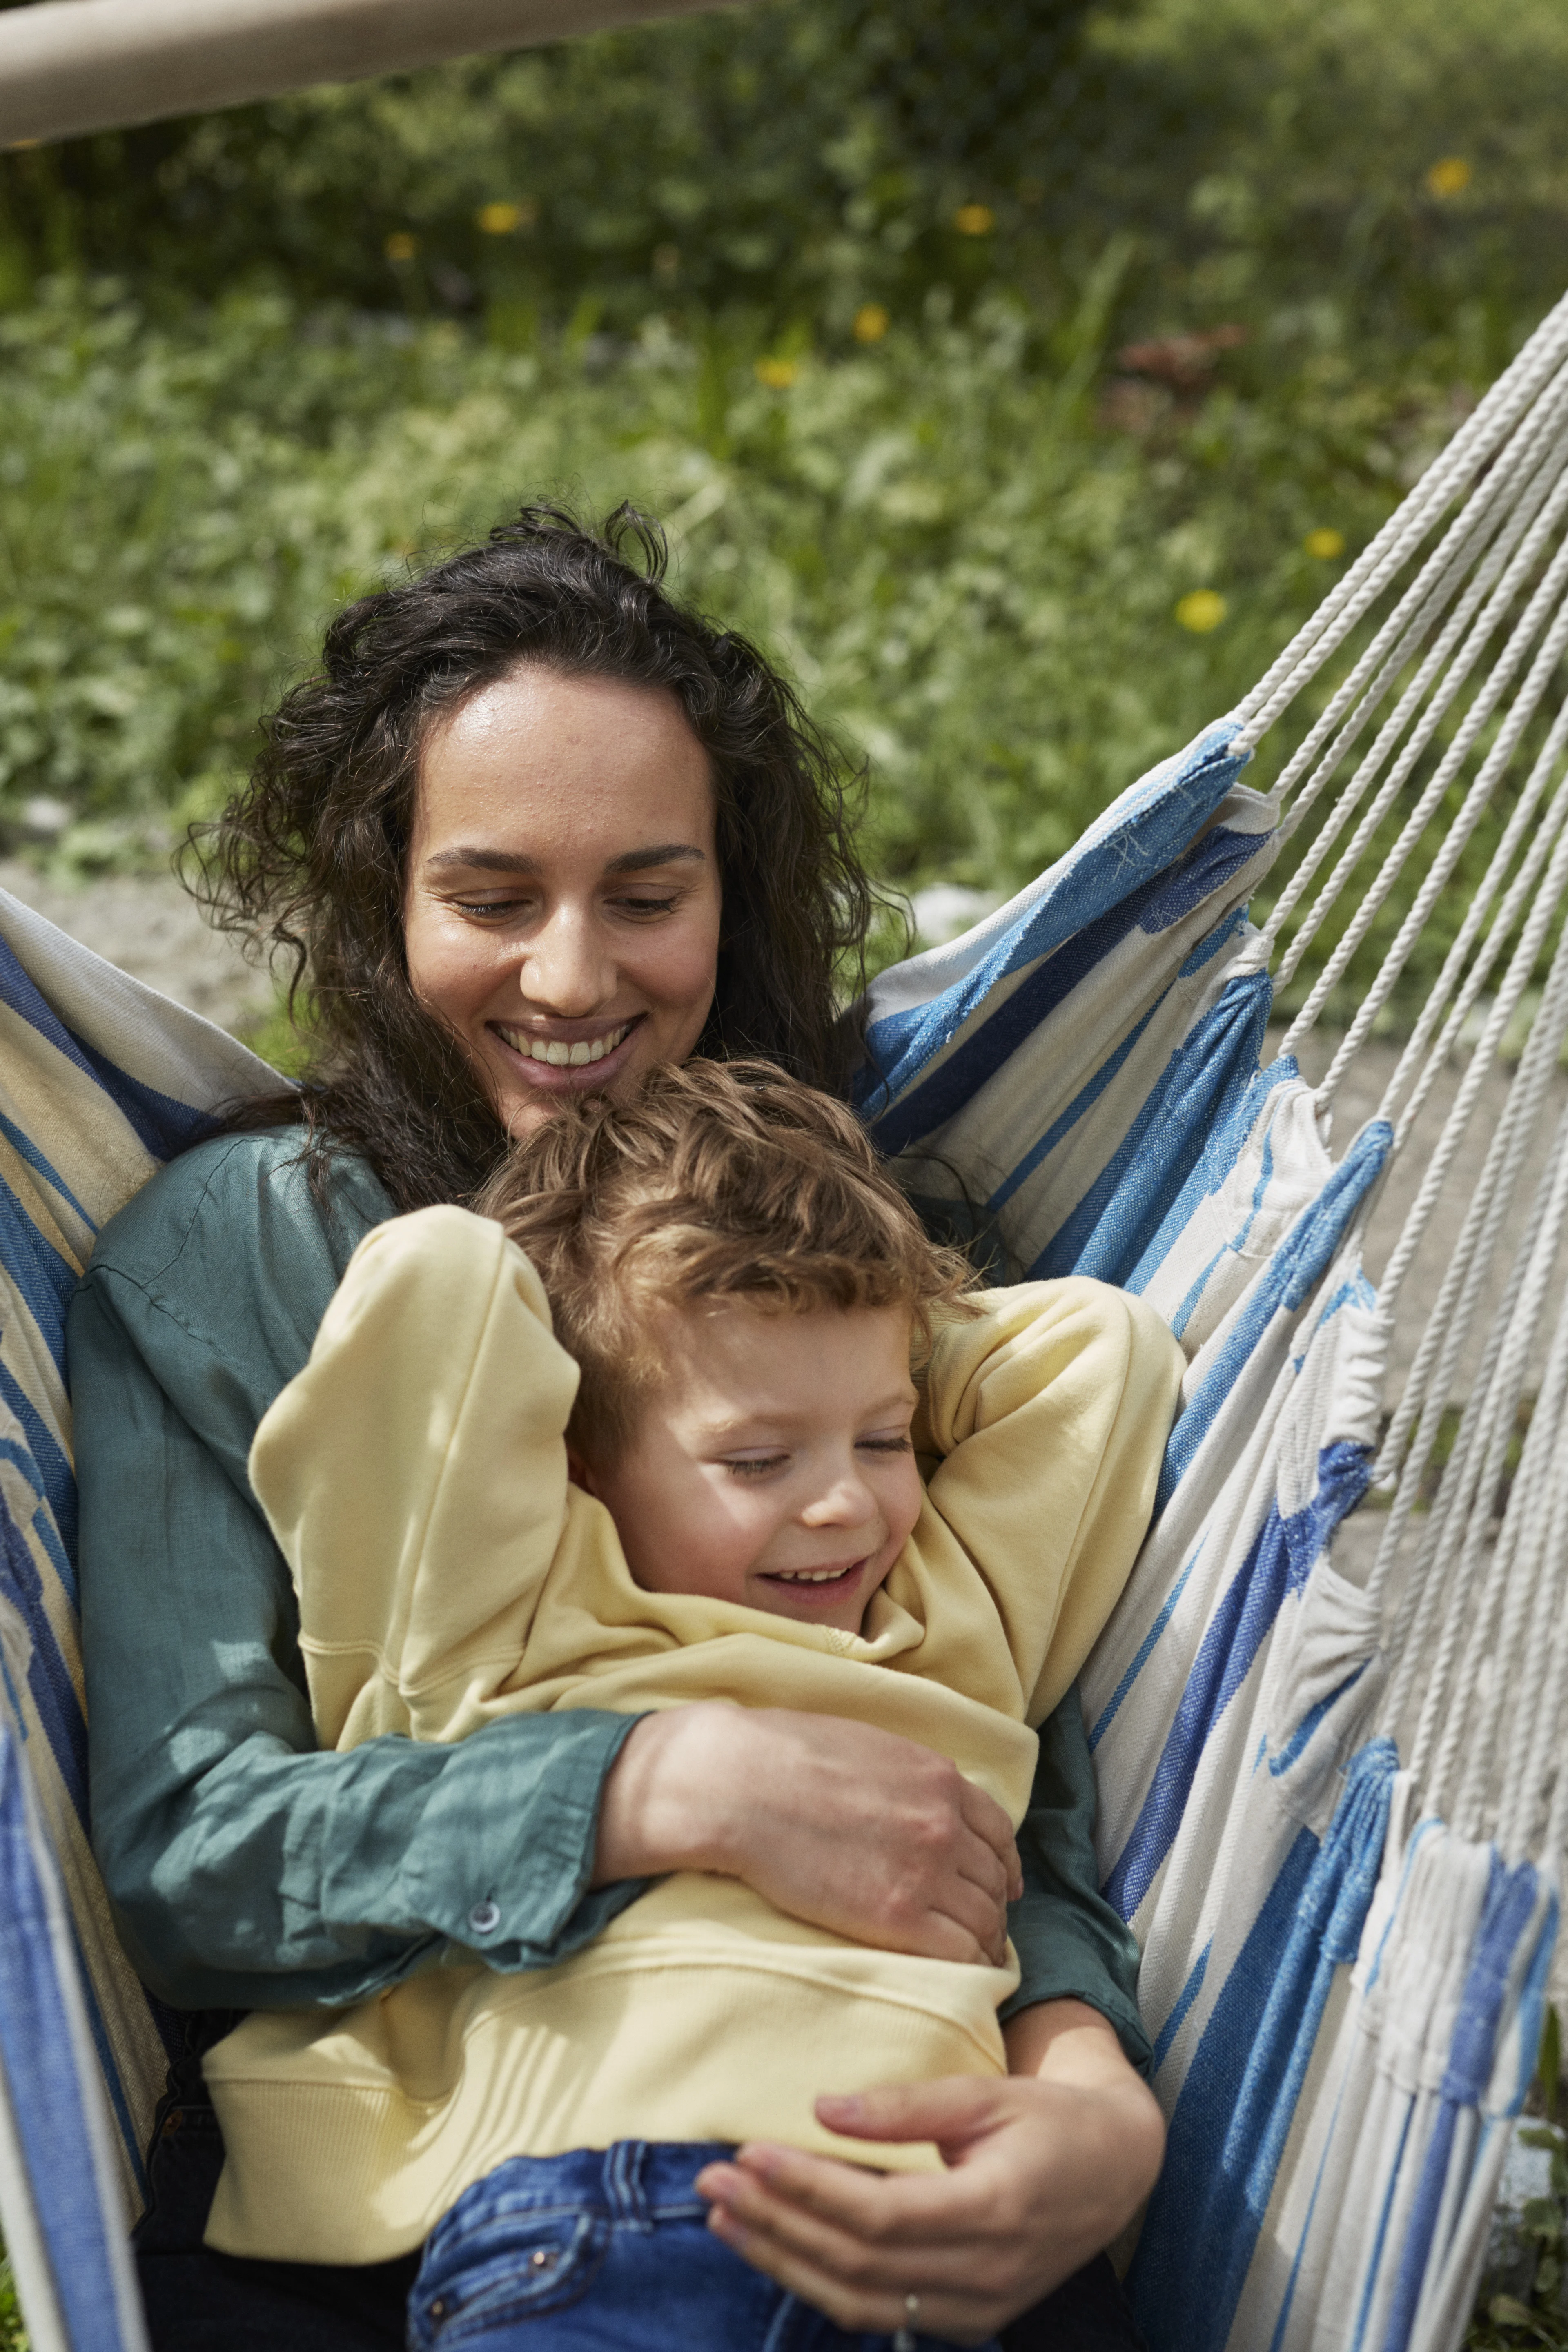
[[146, 924]]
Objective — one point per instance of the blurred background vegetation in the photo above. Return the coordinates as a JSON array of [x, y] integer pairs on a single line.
[[1020, 371]]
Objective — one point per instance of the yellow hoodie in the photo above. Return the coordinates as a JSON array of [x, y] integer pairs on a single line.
[[415, 1475]]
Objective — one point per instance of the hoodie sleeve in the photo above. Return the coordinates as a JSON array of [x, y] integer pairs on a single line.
[[1051, 1410], [435, 1369]]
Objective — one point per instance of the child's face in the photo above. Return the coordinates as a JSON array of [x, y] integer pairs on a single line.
[[773, 1466]]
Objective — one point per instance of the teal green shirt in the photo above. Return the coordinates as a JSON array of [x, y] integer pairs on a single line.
[[247, 1867]]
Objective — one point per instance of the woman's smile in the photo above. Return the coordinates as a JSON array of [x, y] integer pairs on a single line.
[[556, 1057]]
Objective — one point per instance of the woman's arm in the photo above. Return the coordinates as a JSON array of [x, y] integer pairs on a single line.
[[852, 1828], [1045, 2168]]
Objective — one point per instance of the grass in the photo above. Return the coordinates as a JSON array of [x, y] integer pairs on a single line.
[[13, 2335]]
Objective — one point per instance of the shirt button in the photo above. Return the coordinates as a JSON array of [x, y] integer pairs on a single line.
[[485, 1918]]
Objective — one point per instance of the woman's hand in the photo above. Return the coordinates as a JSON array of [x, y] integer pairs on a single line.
[[1046, 2167], [852, 1828]]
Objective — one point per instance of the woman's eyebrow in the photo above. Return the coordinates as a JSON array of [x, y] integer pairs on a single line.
[[508, 861], [665, 853]]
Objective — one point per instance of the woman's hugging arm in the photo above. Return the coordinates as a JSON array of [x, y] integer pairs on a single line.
[[245, 1868]]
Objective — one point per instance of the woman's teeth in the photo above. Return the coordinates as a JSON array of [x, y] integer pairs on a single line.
[[563, 1056]]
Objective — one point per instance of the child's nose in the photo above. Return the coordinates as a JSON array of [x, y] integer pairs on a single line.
[[848, 1502]]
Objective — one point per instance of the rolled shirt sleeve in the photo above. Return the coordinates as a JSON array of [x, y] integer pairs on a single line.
[[1071, 1945]]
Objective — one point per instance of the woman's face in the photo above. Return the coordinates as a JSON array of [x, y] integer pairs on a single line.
[[562, 901]]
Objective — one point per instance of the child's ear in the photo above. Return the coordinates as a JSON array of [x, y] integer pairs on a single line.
[[577, 1470]]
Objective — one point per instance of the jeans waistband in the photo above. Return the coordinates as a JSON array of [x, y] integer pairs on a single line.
[[634, 2180]]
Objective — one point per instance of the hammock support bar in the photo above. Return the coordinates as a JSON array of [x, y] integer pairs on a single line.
[[68, 67]]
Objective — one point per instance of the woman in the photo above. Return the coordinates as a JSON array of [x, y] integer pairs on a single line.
[[532, 830]]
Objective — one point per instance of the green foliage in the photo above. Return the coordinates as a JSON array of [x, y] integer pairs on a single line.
[[971, 578], [1510, 2323], [800, 159], [1010, 571], [13, 2335]]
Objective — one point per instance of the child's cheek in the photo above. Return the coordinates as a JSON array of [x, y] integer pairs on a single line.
[[911, 1496]]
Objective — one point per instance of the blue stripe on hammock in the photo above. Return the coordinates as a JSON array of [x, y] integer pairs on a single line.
[[1156, 827], [1153, 907], [45, 1279], [1276, 1563], [50, 1472], [1178, 2016], [1108, 1235], [1298, 1263], [1505, 1915], [46, 2096], [1168, 2241], [29, 1150], [1089, 1094], [1143, 1654], [1242, 2087], [160, 1122], [48, 1679]]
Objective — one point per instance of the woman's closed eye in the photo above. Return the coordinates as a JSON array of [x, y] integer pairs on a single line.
[[641, 908]]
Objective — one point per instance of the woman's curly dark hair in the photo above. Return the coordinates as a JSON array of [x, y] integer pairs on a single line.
[[308, 857]]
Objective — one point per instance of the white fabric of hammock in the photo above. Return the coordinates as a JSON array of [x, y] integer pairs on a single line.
[[1334, 1812]]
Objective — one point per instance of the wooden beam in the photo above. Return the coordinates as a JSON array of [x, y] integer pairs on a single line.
[[73, 66]]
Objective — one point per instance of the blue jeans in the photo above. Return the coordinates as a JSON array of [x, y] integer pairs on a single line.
[[604, 2250]]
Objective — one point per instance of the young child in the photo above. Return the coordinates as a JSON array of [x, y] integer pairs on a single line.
[[645, 1432]]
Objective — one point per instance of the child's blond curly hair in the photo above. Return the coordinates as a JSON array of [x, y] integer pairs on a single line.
[[715, 1180]]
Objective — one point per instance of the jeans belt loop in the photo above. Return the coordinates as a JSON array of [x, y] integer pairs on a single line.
[[623, 2191]]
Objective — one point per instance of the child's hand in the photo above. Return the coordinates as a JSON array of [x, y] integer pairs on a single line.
[[852, 1828], [1046, 2167]]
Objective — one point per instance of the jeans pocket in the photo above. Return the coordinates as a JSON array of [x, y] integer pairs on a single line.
[[513, 2269]]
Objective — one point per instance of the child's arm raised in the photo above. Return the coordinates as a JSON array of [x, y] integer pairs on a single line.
[[426, 1433], [1051, 1409]]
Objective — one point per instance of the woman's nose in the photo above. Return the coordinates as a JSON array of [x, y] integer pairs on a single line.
[[566, 970]]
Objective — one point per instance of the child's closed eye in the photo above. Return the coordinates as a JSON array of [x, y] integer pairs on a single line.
[[884, 1444], [755, 1466]]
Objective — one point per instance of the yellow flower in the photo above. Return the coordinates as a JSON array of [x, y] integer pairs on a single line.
[[778, 374], [504, 220], [1201, 610], [975, 220], [1326, 545], [871, 323], [400, 246], [1450, 177]]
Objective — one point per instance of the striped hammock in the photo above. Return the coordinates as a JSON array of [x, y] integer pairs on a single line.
[[1331, 1805]]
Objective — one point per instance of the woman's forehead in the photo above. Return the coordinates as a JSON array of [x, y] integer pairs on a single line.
[[535, 756]]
